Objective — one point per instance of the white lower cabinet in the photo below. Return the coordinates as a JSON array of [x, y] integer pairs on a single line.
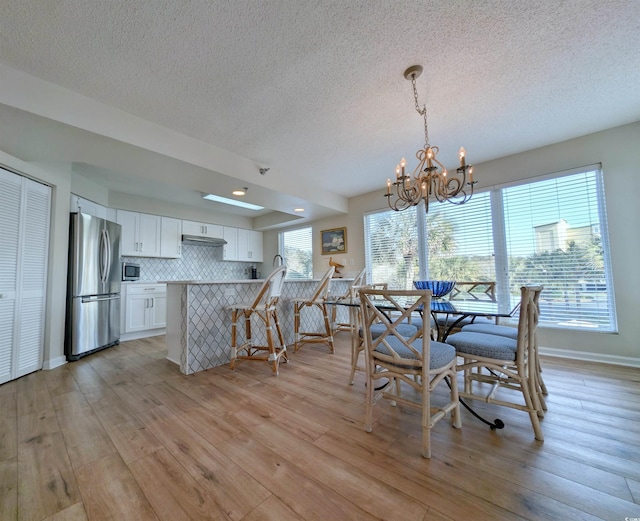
[[145, 308]]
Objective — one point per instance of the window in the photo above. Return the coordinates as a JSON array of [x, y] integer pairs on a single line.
[[392, 247], [549, 231], [296, 250]]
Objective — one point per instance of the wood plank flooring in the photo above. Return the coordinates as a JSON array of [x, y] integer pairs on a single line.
[[123, 435]]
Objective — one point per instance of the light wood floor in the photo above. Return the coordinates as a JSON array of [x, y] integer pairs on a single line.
[[122, 435]]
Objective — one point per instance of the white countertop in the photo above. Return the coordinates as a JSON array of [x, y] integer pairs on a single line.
[[238, 281]]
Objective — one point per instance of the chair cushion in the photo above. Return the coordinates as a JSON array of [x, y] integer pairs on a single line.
[[483, 345], [493, 329], [444, 320], [417, 322], [405, 330], [441, 354]]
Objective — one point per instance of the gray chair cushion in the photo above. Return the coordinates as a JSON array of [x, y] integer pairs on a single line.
[[446, 321], [481, 344], [441, 354], [417, 321], [405, 330], [492, 329]]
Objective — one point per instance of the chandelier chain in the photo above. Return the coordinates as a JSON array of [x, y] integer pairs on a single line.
[[422, 112]]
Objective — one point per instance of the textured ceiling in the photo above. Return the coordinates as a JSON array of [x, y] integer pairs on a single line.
[[314, 89]]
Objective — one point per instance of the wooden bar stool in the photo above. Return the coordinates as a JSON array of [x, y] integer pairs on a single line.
[[319, 301], [263, 310]]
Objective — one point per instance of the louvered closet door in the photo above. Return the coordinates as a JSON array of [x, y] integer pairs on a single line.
[[10, 197], [33, 282], [24, 244]]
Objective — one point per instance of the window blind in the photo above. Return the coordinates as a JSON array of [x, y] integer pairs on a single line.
[[550, 231], [296, 248], [554, 237], [391, 247]]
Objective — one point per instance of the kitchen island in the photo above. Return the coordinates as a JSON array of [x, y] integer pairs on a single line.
[[199, 324]]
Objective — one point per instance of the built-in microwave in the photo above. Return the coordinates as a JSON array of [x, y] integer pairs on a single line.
[[130, 271]]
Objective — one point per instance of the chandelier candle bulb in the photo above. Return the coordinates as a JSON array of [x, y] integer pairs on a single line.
[[462, 154], [388, 186]]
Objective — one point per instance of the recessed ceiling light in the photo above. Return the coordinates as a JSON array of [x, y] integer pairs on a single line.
[[232, 202], [240, 191], [298, 209]]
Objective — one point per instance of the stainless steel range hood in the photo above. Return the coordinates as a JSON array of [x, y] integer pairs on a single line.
[[198, 240]]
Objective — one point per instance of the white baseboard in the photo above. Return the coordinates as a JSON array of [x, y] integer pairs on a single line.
[[591, 357], [55, 362]]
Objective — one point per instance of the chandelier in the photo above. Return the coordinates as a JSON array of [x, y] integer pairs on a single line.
[[430, 178]]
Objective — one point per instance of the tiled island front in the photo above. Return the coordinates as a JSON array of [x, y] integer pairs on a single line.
[[199, 323]]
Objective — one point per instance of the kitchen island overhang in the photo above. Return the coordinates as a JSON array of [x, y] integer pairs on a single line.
[[199, 322]]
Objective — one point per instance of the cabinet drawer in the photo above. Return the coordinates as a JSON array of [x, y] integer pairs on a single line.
[[146, 289]]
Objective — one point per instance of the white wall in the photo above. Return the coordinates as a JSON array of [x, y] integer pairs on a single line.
[[618, 150]]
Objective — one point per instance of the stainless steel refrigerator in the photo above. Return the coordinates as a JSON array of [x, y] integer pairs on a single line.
[[93, 286]]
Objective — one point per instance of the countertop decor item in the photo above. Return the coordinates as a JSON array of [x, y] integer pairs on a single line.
[[430, 178]]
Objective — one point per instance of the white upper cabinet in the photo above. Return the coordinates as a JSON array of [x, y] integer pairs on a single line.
[[81, 205], [171, 239], [250, 246], [230, 250], [141, 234], [202, 229]]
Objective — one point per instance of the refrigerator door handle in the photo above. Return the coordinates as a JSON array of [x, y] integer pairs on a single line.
[[86, 300], [103, 256]]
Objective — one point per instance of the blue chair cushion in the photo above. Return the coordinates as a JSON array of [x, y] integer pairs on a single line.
[[483, 345], [492, 329], [441, 354]]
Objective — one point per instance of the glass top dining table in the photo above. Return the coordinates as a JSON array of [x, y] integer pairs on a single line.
[[454, 311]]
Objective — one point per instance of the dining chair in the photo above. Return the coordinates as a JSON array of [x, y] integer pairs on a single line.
[[357, 338], [317, 301], [262, 310], [467, 290], [512, 332], [493, 362], [358, 280], [406, 370]]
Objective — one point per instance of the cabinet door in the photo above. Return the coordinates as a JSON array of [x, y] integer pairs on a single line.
[[249, 246], [158, 312], [171, 240], [129, 237], [230, 250], [136, 313], [202, 229], [255, 246], [150, 233]]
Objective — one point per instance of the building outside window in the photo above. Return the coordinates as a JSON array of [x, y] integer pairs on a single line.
[[296, 248], [549, 231]]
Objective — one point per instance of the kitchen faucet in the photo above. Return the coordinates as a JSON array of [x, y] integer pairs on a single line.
[[278, 260]]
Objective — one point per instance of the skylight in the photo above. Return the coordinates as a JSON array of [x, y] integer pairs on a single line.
[[233, 202]]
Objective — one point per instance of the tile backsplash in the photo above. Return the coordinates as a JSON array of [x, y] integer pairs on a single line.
[[197, 263]]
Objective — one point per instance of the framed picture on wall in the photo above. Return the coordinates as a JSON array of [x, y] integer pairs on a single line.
[[334, 241]]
